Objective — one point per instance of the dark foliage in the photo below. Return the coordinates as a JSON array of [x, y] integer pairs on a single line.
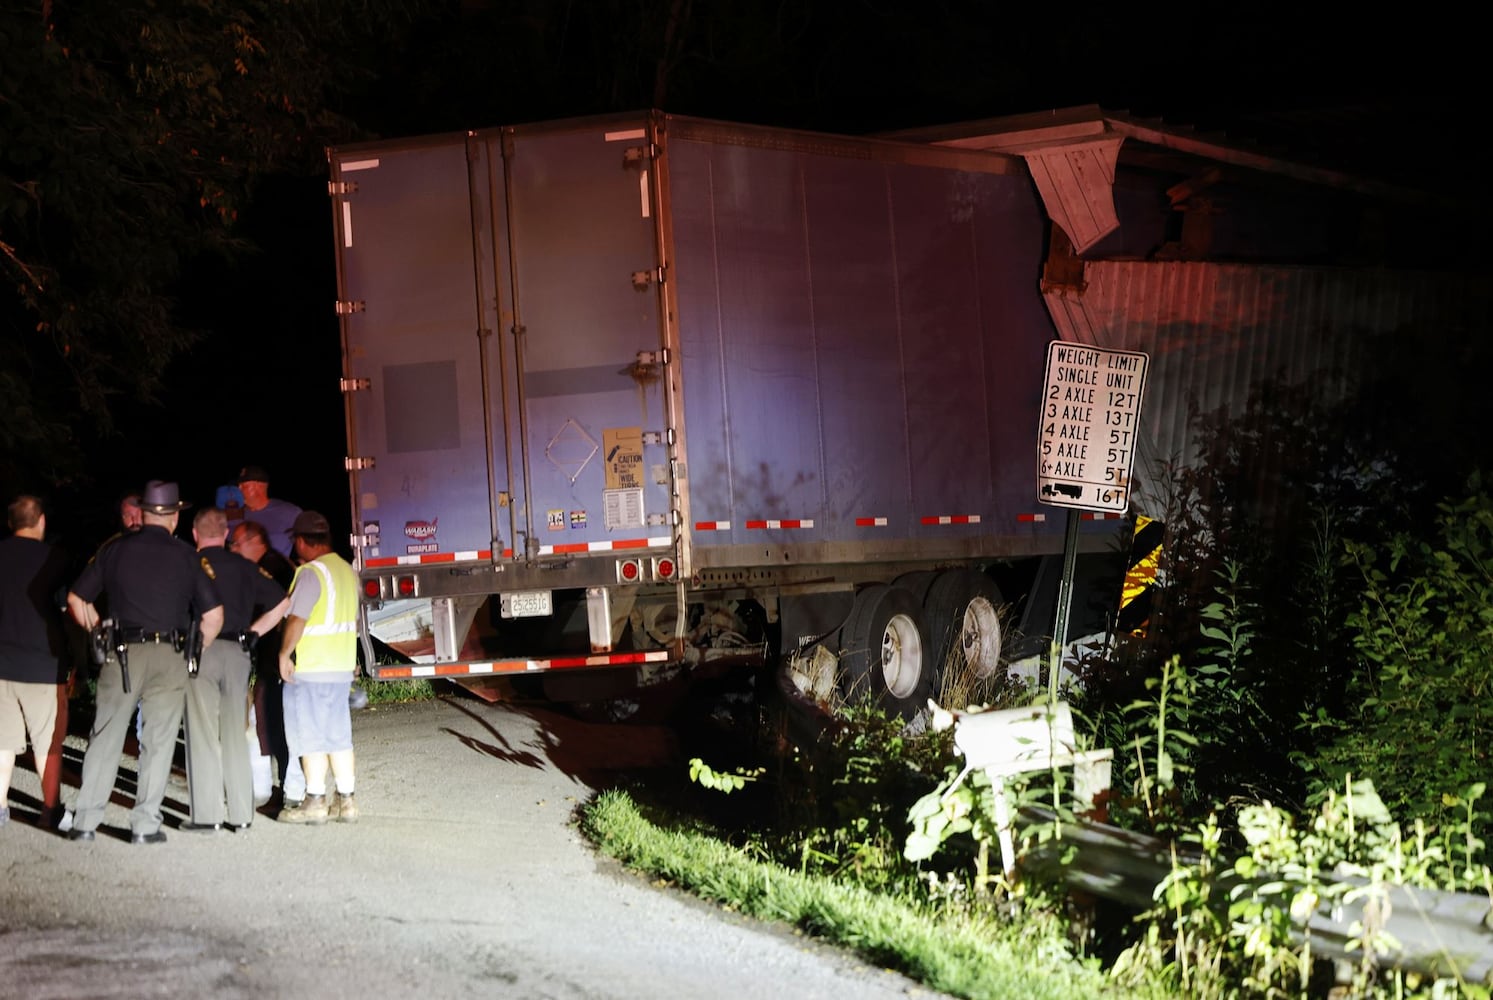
[[135, 135]]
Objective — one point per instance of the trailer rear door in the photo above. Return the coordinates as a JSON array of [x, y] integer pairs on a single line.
[[413, 366], [583, 382]]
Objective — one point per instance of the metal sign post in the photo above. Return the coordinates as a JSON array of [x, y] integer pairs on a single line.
[[1065, 601], [1086, 449]]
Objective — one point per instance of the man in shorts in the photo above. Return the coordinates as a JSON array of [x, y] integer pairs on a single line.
[[33, 698], [318, 659]]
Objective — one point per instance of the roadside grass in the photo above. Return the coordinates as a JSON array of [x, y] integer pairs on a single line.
[[394, 692], [965, 953]]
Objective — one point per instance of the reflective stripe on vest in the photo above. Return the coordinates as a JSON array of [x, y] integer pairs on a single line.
[[329, 641]]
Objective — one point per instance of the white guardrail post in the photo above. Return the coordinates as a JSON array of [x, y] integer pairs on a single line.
[[1015, 741]]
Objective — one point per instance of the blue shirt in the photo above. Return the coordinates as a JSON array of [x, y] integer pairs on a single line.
[[277, 516]]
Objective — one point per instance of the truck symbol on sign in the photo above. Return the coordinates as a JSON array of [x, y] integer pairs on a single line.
[[1053, 489]]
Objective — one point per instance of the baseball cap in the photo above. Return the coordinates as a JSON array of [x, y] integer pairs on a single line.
[[309, 522], [253, 474]]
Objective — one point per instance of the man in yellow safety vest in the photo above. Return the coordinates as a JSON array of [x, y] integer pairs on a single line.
[[318, 658]]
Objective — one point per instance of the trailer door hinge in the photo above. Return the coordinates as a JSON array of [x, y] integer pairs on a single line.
[[655, 520], [358, 464], [653, 437], [658, 357], [345, 307], [642, 279], [635, 156], [354, 385], [335, 188]]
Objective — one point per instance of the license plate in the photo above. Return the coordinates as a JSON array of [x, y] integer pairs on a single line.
[[526, 604]]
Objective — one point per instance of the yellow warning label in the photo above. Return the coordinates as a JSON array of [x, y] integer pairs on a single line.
[[623, 448]]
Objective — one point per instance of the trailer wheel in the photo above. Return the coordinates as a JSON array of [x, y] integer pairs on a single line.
[[917, 583], [963, 613], [885, 650]]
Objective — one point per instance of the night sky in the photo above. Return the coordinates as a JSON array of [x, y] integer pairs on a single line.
[[1385, 96]]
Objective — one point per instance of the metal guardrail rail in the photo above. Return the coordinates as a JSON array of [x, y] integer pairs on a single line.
[[1426, 931]]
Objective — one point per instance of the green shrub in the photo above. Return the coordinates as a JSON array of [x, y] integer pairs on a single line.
[[1418, 719]]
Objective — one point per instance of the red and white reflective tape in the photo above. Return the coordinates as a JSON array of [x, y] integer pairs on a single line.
[[870, 522], [620, 545], [953, 519], [518, 666], [623, 544], [779, 524], [1088, 515], [431, 557], [712, 525]]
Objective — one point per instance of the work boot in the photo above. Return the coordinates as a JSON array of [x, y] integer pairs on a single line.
[[344, 808], [311, 810]]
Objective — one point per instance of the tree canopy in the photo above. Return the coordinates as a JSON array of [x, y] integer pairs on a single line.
[[134, 134]]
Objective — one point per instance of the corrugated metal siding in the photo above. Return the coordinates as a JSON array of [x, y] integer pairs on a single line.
[[1216, 331]]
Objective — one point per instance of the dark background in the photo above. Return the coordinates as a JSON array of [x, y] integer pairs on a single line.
[[1388, 97]]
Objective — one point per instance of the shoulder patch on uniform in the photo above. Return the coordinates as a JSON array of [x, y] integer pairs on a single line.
[[264, 573], [207, 568]]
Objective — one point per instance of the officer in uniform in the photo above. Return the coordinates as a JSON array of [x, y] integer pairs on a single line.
[[157, 586], [218, 697]]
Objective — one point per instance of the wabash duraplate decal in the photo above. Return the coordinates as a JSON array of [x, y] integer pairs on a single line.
[[422, 533]]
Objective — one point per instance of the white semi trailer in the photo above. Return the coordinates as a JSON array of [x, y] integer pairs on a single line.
[[651, 392]]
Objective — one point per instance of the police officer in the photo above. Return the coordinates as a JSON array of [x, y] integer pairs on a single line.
[[218, 697], [156, 584]]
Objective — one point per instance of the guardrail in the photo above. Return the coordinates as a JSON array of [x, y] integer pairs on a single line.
[[1015, 741], [1427, 931]]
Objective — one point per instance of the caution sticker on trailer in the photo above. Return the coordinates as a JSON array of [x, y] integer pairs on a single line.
[[623, 447], [556, 520]]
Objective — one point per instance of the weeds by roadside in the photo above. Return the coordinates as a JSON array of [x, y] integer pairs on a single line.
[[964, 952], [393, 692]]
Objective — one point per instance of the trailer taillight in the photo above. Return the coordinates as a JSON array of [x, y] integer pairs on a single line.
[[629, 570], [406, 586], [664, 568], [371, 589]]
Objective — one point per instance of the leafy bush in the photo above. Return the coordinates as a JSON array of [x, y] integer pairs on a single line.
[[1419, 719], [1246, 927], [843, 808]]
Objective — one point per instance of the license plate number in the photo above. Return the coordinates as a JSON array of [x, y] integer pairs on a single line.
[[526, 604]]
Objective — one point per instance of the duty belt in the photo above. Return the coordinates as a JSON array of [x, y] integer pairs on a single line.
[[134, 635]]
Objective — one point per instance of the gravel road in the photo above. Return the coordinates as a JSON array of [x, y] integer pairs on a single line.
[[463, 877]]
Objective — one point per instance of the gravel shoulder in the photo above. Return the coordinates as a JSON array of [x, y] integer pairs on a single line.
[[464, 876]]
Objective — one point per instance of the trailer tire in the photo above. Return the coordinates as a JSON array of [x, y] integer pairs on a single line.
[[963, 614], [917, 583], [885, 651]]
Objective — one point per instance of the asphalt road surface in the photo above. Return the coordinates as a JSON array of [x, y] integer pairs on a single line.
[[464, 877]]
